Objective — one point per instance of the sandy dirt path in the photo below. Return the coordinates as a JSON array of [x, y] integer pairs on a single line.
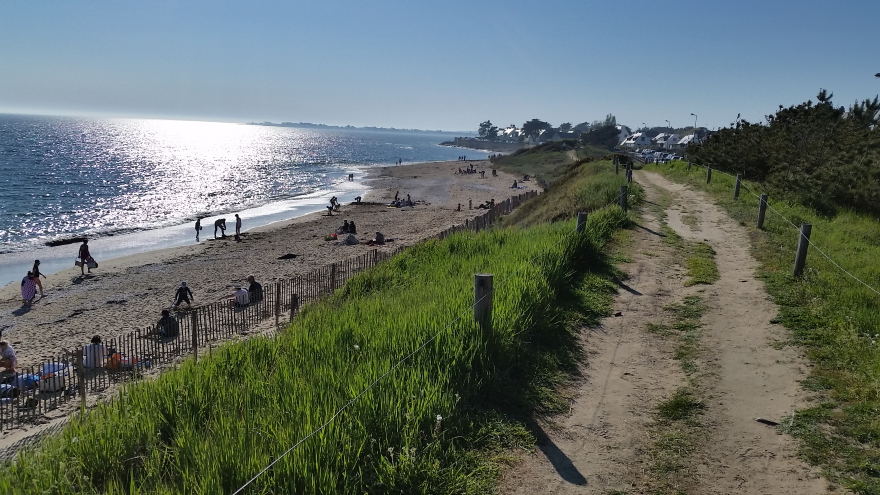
[[601, 446]]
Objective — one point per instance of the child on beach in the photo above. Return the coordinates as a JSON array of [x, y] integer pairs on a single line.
[[166, 327], [36, 272], [182, 296], [28, 289], [220, 223], [198, 228]]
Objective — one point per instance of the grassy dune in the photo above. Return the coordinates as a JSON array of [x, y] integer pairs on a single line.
[[836, 318], [437, 423]]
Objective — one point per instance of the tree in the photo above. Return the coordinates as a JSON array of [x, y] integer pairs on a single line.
[[610, 121], [534, 127], [487, 130], [566, 127]]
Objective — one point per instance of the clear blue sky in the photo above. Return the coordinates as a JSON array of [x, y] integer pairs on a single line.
[[435, 65]]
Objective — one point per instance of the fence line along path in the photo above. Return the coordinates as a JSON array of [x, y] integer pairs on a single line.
[[54, 385]]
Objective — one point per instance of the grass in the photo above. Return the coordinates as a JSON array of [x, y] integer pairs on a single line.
[[834, 317], [588, 187], [697, 257], [440, 422], [548, 162]]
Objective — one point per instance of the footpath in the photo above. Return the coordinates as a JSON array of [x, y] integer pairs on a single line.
[[673, 385]]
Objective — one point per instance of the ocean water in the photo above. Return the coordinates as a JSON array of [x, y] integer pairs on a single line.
[[132, 185]]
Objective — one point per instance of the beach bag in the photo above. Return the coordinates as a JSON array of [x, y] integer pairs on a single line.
[[92, 263], [351, 240]]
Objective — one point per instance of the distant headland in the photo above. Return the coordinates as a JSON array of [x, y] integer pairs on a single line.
[[308, 125]]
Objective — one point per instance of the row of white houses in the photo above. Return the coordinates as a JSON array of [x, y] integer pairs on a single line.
[[662, 140]]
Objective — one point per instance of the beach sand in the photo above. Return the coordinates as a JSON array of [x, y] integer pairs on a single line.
[[128, 293]]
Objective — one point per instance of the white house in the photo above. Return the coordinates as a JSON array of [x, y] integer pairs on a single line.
[[667, 141], [683, 142], [637, 139]]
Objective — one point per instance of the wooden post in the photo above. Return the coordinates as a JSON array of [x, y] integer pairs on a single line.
[[623, 197], [294, 301], [483, 300], [616, 168], [762, 210], [195, 334], [332, 277], [708, 174], [803, 245], [736, 187], [81, 375], [582, 221], [689, 164], [277, 303]]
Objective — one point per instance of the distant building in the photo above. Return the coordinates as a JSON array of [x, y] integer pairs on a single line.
[[683, 142], [624, 132], [666, 141], [637, 139]]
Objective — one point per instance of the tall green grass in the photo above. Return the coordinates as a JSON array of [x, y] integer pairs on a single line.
[[587, 187], [835, 317], [209, 426]]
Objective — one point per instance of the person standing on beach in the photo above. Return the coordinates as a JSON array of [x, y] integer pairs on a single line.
[[237, 227], [28, 289], [198, 228], [36, 271], [182, 296], [85, 258], [221, 224]]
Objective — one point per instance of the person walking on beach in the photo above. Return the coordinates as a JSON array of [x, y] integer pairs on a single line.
[[28, 289], [85, 258], [237, 227], [198, 228], [221, 224], [182, 296], [36, 271]]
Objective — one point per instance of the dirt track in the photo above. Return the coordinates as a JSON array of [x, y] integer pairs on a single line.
[[603, 444]]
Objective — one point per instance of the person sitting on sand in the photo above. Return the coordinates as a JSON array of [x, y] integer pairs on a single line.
[[182, 296], [514, 184], [352, 229], [37, 274], [220, 223], [95, 353], [8, 361], [342, 229], [239, 298], [28, 289], [254, 290], [166, 328], [85, 258]]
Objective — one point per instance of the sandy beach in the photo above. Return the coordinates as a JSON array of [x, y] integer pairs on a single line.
[[128, 293]]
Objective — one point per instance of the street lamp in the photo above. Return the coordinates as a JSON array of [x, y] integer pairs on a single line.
[[695, 126], [668, 124]]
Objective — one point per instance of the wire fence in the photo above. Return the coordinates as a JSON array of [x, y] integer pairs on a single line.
[[783, 217], [35, 392]]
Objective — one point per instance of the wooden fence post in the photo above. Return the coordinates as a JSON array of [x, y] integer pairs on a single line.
[[195, 334], [81, 376], [616, 168], [483, 300], [803, 245], [736, 187], [277, 303], [333, 277], [708, 174], [294, 301], [582, 221], [623, 197], [762, 210]]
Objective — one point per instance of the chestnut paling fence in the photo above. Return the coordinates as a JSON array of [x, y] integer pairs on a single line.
[[51, 384]]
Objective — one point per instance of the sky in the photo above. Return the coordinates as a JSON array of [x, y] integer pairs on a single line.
[[435, 65]]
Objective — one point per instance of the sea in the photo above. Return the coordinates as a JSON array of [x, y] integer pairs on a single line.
[[136, 185]]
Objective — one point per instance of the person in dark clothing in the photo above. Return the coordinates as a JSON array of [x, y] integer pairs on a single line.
[[166, 327], [352, 229], [36, 272], [220, 223], [183, 295], [255, 290]]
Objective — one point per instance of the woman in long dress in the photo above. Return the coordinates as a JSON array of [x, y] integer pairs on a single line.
[[28, 289]]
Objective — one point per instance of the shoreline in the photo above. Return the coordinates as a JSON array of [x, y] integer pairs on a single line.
[[128, 292]]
